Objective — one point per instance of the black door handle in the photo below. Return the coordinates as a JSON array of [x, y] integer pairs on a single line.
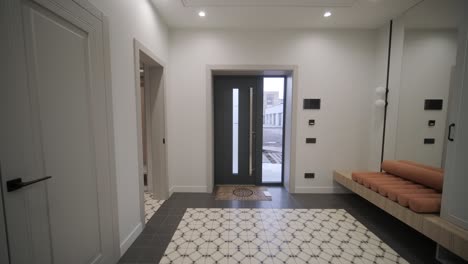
[[15, 184], [450, 138]]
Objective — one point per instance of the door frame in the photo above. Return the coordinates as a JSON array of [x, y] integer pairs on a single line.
[[153, 66], [94, 11], [291, 72], [110, 128]]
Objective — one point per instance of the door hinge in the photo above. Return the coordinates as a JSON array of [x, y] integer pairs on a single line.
[[164, 141]]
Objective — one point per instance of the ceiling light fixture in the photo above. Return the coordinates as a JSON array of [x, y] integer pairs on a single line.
[[327, 14], [201, 14]]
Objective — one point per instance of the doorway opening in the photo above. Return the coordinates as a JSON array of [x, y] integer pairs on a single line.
[[249, 129], [151, 126]]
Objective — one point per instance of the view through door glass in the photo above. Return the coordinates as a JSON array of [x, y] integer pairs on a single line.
[[272, 149]]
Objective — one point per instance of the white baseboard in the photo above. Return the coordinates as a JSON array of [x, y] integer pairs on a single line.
[[325, 189], [193, 189], [128, 241], [204, 189]]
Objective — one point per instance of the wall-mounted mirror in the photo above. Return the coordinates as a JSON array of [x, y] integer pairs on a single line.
[[424, 49]]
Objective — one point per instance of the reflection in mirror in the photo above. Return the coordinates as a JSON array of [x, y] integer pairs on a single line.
[[424, 56]]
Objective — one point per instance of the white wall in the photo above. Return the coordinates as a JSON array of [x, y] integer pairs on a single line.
[[334, 65], [428, 58], [129, 20]]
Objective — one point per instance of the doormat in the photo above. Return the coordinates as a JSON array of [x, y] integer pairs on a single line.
[[241, 193]]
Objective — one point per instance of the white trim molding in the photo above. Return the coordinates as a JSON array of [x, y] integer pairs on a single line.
[[128, 241], [192, 189], [318, 189], [211, 70], [143, 54]]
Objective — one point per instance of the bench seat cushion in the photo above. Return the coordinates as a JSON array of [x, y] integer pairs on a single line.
[[422, 165], [404, 198], [384, 189], [374, 185], [393, 194], [359, 176], [427, 177], [389, 179], [409, 183], [425, 205]]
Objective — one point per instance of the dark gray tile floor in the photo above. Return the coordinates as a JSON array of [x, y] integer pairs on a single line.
[[151, 244]]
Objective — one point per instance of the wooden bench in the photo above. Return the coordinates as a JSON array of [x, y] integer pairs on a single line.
[[448, 235]]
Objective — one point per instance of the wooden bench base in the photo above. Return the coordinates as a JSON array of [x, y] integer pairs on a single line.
[[448, 235]]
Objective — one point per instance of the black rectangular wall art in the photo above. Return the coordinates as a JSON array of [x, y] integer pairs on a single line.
[[311, 103], [433, 104]]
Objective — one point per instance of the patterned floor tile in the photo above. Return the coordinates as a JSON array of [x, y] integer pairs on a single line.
[[173, 255], [151, 206], [283, 236]]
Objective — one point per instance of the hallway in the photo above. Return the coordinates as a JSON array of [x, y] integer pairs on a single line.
[[234, 131]]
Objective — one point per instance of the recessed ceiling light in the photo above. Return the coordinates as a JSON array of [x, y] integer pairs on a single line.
[[327, 14], [201, 14]]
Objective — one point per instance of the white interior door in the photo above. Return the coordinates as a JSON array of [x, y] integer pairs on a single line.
[[158, 128], [54, 112], [454, 202]]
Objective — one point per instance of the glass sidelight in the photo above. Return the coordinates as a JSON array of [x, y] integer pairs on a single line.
[[273, 115]]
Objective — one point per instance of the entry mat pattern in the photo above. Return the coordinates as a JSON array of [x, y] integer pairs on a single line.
[[295, 236], [241, 193]]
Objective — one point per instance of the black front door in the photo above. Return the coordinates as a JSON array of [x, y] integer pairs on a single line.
[[237, 119]]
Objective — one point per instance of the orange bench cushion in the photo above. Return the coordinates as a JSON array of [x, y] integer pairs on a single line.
[[389, 179], [374, 185], [403, 198], [384, 189], [393, 194], [422, 165], [359, 176], [427, 177], [425, 205]]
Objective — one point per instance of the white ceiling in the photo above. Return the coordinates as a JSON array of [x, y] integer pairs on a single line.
[[276, 14]]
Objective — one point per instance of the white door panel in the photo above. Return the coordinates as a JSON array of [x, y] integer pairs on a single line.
[[62, 82], [56, 114], [454, 206]]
